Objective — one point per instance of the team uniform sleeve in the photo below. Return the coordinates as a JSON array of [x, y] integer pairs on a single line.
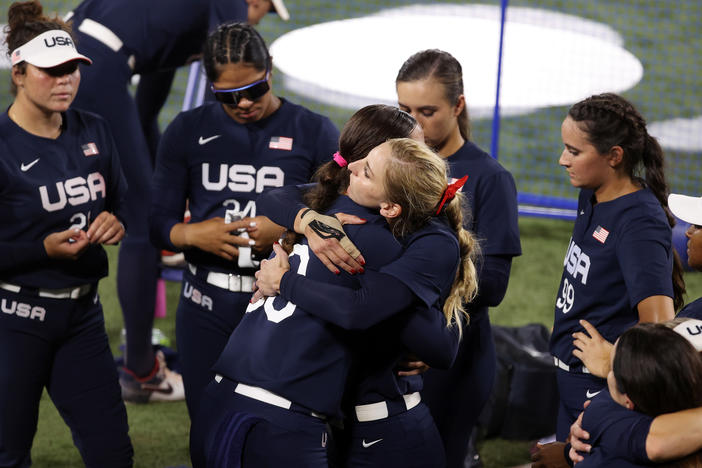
[[379, 297], [17, 254], [222, 11], [427, 336], [427, 267], [170, 186], [282, 204], [497, 219], [117, 187], [645, 258], [493, 279]]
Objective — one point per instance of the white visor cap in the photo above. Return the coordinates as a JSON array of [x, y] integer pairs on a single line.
[[691, 330], [687, 208], [49, 49], [281, 9]]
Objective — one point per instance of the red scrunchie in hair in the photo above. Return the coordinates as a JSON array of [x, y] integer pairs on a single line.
[[450, 192]]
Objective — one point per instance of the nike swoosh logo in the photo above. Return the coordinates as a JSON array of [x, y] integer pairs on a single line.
[[25, 167], [366, 445], [204, 141], [157, 388], [590, 395]]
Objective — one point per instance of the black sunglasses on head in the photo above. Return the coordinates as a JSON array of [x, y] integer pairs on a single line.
[[251, 92]]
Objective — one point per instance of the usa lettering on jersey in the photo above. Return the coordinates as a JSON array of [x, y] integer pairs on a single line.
[[74, 191], [22, 309], [576, 263], [195, 295], [242, 178]]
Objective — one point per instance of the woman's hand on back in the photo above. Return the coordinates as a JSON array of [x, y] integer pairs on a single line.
[[328, 240], [593, 350], [271, 272]]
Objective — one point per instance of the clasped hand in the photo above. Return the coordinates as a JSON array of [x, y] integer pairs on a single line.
[[271, 272]]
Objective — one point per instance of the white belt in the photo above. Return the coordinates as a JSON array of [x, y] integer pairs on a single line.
[[64, 293], [566, 367], [376, 411], [105, 35], [261, 394], [229, 281]]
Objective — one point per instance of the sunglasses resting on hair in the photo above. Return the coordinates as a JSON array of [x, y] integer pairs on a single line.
[[251, 92]]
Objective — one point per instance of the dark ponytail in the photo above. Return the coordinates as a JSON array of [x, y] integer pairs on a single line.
[[610, 120], [444, 68], [25, 21]]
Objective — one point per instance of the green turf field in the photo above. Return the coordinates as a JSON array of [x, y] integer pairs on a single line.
[[160, 431]]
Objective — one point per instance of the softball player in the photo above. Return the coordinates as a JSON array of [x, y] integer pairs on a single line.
[[127, 37], [220, 157], [689, 209], [430, 87], [60, 193], [367, 175], [606, 279]]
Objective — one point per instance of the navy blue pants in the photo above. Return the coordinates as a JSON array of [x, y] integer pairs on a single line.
[[573, 390], [275, 437], [457, 396], [59, 344], [104, 90], [206, 317], [407, 440]]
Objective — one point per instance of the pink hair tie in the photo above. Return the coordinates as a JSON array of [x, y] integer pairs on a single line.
[[339, 159]]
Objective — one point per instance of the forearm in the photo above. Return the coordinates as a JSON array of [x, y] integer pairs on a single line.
[[428, 337], [379, 297], [14, 255], [493, 278], [675, 435], [282, 205]]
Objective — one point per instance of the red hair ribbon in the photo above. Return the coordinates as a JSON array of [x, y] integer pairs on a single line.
[[339, 159], [450, 192]]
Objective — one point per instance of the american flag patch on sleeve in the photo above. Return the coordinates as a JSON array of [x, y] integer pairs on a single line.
[[600, 234], [90, 149], [281, 143]]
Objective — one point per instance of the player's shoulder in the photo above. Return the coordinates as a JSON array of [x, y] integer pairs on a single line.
[[306, 117], [435, 238], [641, 208], [472, 160]]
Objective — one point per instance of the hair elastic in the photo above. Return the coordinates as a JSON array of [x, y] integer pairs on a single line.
[[450, 192], [339, 159]]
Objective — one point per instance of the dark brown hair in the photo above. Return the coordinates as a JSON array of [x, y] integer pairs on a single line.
[[445, 69], [610, 120], [658, 369], [25, 21], [234, 43], [366, 129]]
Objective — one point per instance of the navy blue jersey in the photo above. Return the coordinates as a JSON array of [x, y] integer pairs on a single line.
[[280, 346], [492, 197], [692, 310], [427, 268], [48, 186], [617, 435], [161, 34], [217, 164], [620, 253]]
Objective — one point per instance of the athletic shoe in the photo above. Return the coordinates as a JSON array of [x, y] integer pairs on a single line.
[[162, 384]]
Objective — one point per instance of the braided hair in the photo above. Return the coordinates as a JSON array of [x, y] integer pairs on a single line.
[[234, 43], [610, 120]]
